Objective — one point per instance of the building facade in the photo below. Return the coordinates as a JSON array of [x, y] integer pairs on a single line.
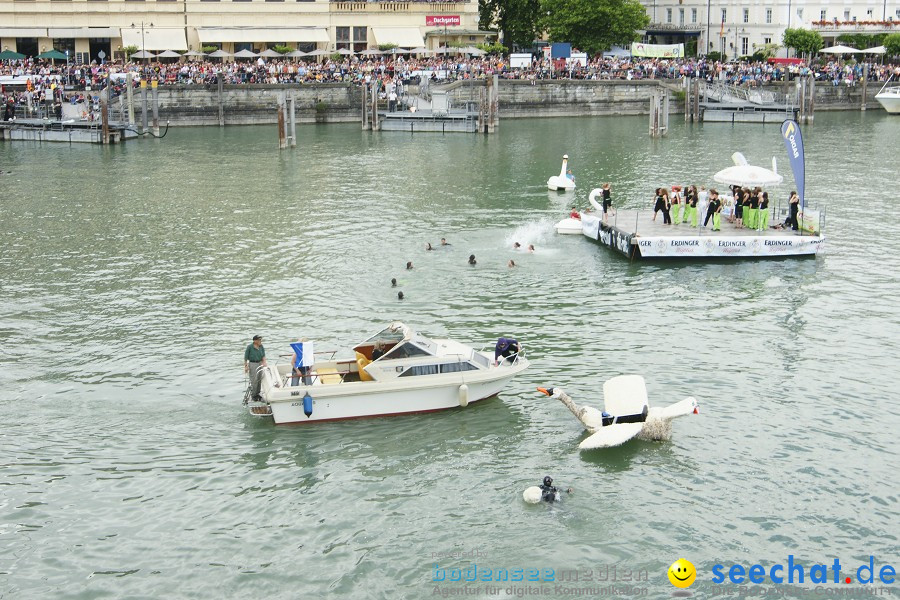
[[99, 29], [736, 29]]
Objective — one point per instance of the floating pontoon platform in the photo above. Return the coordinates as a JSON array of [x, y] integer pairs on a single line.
[[635, 234]]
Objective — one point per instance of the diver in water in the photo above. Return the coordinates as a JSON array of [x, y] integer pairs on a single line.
[[549, 493]]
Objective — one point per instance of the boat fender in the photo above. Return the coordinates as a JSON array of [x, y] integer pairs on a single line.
[[464, 395], [307, 405]]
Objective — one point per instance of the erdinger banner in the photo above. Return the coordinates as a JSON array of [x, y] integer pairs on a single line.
[[700, 246], [441, 20], [658, 50], [793, 141]]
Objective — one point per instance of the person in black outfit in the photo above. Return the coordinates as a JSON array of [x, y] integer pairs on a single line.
[[795, 209], [607, 202], [549, 493], [713, 206]]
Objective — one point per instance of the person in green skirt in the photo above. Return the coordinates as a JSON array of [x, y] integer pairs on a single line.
[[692, 200], [764, 211], [678, 206]]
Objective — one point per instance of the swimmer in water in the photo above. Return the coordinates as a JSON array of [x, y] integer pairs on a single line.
[[472, 259], [409, 266], [511, 263], [531, 248], [549, 493], [428, 246], [399, 295], [517, 246], [393, 282], [444, 242]]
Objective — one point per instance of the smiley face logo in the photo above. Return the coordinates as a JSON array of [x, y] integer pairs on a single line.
[[682, 573]]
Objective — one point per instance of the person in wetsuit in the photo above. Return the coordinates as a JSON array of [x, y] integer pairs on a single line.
[[549, 493]]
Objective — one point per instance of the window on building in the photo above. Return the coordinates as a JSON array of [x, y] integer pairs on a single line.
[[65, 45], [869, 12], [847, 14], [898, 13], [681, 17], [800, 13], [360, 38], [745, 46], [724, 14], [693, 15], [854, 18], [823, 14], [668, 15], [767, 40], [746, 15], [768, 15]]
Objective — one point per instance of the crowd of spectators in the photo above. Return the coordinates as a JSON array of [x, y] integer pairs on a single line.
[[43, 76]]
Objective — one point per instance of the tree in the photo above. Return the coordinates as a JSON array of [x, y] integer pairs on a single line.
[[892, 44], [804, 41], [594, 25], [129, 50], [517, 20]]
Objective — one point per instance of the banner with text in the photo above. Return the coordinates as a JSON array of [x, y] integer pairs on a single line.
[[658, 50], [442, 20], [718, 246]]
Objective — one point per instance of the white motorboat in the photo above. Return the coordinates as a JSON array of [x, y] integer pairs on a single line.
[[415, 374], [562, 182], [889, 98]]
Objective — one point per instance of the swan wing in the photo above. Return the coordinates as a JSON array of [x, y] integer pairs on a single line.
[[625, 395], [614, 435], [591, 417], [679, 409]]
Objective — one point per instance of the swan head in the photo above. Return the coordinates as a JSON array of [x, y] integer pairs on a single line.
[[552, 392]]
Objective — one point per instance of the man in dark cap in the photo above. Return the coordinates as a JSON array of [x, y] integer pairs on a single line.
[[254, 358], [549, 493]]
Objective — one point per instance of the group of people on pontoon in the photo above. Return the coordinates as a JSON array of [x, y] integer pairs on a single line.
[[745, 208]]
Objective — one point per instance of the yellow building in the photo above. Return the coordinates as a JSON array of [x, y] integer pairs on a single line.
[[95, 29]]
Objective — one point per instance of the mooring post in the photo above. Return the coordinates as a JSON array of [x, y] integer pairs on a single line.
[[810, 114], [375, 124], [686, 88], [282, 143], [154, 85], [365, 106], [654, 109], [865, 86], [104, 115], [696, 100], [665, 112], [801, 97], [129, 82], [293, 122], [144, 126], [220, 99], [495, 104]]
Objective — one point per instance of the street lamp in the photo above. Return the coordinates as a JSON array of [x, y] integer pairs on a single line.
[[143, 44]]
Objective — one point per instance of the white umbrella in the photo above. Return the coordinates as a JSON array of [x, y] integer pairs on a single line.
[[195, 53], [346, 52], [474, 51], [746, 175], [875, 50], [371, 52], [169, 54], [319, 53], [421, 50], [271, 53], [143, 54], [219, 54], [839, 49], [246, 54], [296, 54]]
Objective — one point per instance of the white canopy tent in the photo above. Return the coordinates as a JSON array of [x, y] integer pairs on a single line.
[[839, 49], [404, 37], [874, 50], [155, 38]]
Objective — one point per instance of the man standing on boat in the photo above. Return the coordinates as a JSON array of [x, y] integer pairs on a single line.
[[254, 358]]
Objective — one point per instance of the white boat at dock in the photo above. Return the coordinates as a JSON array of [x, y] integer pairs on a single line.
[[416, 374], [889, 98]]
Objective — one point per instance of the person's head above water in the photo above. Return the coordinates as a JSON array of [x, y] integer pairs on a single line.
[[393, 282], [517, 245], [548, 481], [409, 265], [471, 259], [399, 295]]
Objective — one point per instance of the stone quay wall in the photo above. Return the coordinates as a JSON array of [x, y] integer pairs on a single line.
[[342, 103]]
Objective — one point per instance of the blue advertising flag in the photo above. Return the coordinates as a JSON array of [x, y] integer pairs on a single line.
[[793, 141], [298, 350]]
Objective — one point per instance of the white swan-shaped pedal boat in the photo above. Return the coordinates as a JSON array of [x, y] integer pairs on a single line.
[[561, 182], [627, 414], [572, 225]]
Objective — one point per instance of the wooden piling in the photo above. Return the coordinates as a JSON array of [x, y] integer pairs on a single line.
[[811, 92], [144, 125], [220, 98], [154, 88], [129, 83], [865, 87], [293, 113], [282, 143], [104, 115], [365, 106]]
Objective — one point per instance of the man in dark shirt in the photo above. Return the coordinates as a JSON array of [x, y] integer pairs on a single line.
[[254, 358]]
